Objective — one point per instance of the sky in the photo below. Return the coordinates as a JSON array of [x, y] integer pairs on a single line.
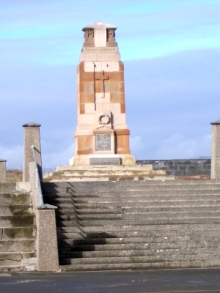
[[171, 53]]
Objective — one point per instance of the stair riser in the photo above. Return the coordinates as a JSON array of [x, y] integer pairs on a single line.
[[17, 233], [146, 199], [10, 210], [16, 221], [7, 259], [142, 259], [15, 199], [16, 245]]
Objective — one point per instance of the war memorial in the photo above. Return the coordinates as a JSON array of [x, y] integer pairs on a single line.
[[104, 211]]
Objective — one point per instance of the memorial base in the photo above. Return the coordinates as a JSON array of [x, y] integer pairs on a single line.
[[105, 173], [86, 160]]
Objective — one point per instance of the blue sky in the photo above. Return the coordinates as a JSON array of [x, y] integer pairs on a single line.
[[171, 52]]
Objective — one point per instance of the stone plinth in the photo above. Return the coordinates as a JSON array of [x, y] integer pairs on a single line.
[[105, 160], [31, 138], [3, 170], [215, 161]]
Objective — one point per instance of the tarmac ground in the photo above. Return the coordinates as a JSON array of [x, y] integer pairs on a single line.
[[163, 281]]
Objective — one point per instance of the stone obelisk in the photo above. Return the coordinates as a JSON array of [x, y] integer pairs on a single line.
[[102, 136]]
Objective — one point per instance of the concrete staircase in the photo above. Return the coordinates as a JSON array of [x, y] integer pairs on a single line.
[[137, 225], [17, 231]]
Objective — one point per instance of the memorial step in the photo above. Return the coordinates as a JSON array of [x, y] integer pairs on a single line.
[[104, 173]]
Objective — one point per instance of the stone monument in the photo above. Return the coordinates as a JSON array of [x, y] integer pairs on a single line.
[[102, 135]]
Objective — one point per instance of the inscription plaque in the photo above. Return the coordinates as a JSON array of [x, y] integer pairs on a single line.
[[103, 142]]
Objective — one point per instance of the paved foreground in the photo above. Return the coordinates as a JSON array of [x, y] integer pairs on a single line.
[[165, 281]]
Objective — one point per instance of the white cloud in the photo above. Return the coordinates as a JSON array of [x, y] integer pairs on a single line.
[[178, 146], [136, 145], [52, 159], [13, 155]]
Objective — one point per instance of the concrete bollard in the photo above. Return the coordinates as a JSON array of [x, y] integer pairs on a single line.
[[31, 137], [3, 176], [47, 250], [215, 162]]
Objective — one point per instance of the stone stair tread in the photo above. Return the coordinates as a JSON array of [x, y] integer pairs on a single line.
[[147, 252], [137, 246], [140, 210], [135, 194], [68, 241], [165, 228], [140, 266], [102, 185], [144, 201], [150, 216], [142, 222]]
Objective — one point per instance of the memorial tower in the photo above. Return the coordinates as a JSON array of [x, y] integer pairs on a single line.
[[102, 135]]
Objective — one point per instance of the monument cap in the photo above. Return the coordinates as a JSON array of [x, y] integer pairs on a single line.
[[216, 122], [3, 160], [31, 124], [99, 25]]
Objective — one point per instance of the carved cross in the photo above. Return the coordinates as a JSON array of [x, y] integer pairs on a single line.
[[102, 77]]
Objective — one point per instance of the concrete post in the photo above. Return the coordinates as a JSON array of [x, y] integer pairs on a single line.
[[31, 137], [215, 162], [47, 250], [3, 170], [46, 240]]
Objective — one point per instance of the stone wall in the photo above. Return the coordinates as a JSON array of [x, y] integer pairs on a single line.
[[189, 167]]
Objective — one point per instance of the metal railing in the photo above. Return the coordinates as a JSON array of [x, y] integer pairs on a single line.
[[38, 181]]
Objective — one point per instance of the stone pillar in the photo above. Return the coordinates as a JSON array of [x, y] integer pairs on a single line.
[[215, 162], [3, 170], [31, 137]]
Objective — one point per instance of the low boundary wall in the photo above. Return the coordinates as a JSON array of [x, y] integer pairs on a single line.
[[187, 167]]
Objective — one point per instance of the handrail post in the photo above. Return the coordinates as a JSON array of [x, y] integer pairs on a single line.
[[46, 239], [31, 137]]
